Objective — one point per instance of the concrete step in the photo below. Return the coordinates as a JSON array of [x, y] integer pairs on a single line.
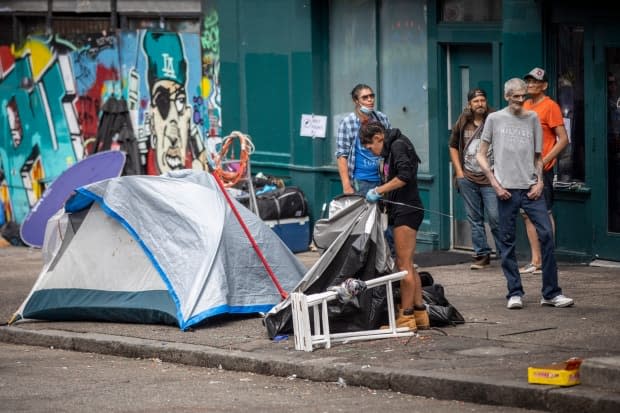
[[601, 372]]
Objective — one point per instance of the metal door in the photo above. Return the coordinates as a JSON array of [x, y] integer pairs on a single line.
[[469, 66]]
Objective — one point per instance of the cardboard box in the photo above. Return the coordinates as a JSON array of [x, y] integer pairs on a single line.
[[556, 374], [295, 232]]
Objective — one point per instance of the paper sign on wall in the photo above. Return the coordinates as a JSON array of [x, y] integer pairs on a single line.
[[313, 126]]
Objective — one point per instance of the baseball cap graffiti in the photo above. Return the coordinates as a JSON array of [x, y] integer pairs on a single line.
[[537, 73], [164, 52]]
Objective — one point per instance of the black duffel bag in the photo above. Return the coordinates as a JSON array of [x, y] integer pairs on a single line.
[[282, 203]]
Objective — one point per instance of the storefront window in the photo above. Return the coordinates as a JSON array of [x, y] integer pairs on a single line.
[[391, 58], [570, 97], [352, 56], [613, 138], [403, 70], [470, 11]]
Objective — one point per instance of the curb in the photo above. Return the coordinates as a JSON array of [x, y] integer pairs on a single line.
[[473, 389], [601, 372]]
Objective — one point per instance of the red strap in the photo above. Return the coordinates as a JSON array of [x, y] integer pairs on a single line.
[[275, 281]]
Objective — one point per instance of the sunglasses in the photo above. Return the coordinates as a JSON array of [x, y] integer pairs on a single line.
[[367, 97]]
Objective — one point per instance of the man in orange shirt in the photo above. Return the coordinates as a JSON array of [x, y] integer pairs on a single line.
[[555, 139]]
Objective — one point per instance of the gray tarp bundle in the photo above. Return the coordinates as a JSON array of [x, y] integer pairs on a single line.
[[353, 238], [355, 247]]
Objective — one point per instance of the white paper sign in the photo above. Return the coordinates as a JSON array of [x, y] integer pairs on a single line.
[[314, 126]]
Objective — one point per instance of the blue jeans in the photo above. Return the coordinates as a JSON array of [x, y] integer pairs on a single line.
[[477, 200], [361, 187], [536, 210]]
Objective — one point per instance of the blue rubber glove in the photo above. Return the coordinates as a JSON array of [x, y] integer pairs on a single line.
[[372, 196]]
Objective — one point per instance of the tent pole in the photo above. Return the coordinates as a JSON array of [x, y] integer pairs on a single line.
[[275, 281]]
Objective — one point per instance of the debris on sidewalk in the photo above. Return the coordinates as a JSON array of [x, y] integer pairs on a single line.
[[558, 374]]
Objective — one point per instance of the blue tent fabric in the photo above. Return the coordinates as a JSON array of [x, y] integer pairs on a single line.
[[174, 234]]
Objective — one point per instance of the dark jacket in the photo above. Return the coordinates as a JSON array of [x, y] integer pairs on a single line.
[[402, 161]]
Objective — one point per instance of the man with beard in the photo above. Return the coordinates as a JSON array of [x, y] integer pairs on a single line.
[[175, 142], [473, 185]]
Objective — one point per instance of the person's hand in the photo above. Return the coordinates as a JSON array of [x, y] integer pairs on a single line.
[[536, 190], [348, 189], [501, 192], [372, 196]]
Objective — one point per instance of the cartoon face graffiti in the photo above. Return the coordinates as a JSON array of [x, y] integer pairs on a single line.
[[170, 125], [175, 141]]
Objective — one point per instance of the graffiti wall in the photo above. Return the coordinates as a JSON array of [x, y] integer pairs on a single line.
[[52, 93], [161, 86], [50, 96]]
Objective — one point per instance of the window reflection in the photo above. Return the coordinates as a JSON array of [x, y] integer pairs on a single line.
[[613, 139], [571, 162], [470, 10]]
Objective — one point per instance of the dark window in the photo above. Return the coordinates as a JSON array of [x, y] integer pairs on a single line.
[[470, 11], [570, 97], [73, 26], [171, 24], [28, 25], [6, 29]]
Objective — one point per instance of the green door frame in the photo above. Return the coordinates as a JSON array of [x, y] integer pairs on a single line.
[[471, 65], [440, 35], [601, 36]]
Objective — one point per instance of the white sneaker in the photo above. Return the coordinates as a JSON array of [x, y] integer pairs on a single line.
[[530, 269], [514, 302], [558, 301]]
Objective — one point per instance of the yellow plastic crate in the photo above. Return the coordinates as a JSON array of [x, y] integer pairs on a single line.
[[556, 374]]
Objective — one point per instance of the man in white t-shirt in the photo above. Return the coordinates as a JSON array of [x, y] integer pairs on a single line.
[[517, 178]]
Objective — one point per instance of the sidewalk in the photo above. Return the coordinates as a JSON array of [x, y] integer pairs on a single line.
[[482, 361]]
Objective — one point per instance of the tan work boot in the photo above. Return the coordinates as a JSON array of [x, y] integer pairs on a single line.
[[421, 320], [404, 321]]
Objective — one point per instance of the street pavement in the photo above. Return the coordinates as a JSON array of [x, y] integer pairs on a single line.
[[484, 360]]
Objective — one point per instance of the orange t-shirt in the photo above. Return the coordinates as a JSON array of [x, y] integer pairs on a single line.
[[550, 117]]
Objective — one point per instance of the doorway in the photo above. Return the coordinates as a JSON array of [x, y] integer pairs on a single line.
[[468, 66]]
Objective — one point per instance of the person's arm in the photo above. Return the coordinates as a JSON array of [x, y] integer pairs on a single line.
[[343, 171], [404, 170], [456, 162], [454, 143], [536, 190], [483, 162], [391, 185], [562, 142], [343, 148]]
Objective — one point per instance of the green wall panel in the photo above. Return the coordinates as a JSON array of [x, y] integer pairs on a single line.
[[268, 105], [522, 38], [302, 148]]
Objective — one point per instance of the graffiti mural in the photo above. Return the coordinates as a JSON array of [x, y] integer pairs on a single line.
[[41, 121], [211, 102], [161, 86], [52, 94], [97, 77]]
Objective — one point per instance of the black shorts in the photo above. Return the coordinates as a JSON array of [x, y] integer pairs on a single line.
[[412, 220]]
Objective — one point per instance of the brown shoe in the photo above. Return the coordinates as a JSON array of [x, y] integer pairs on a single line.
[[480, 262], [407, 321], [421, 320], [404, 321]]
